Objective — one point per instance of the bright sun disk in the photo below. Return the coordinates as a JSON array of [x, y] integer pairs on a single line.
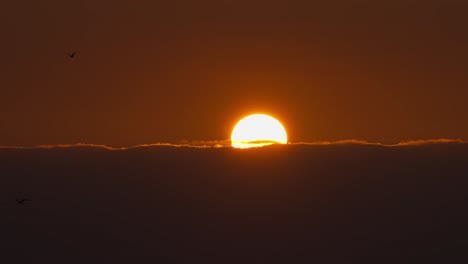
[[258, 130]]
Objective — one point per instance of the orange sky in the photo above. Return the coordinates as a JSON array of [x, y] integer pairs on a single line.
[[188, 70]]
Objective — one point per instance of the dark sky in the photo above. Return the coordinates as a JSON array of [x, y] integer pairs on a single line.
[[150, 71]]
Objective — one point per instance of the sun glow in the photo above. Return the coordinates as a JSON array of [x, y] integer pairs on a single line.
[[257, 131]]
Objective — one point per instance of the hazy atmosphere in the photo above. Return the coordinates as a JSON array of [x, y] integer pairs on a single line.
[[166, 71]]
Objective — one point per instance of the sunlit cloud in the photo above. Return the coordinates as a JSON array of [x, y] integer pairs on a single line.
[[431, 141], [399, 144], [182, 143]]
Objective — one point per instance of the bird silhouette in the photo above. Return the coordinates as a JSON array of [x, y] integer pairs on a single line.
[[23, 201], [72, 54]]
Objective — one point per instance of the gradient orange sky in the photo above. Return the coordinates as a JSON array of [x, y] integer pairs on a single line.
[[165, 71]]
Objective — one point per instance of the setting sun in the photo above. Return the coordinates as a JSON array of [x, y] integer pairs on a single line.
[[258, 130]]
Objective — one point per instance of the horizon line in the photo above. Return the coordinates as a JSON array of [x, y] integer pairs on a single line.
[[227, 144]]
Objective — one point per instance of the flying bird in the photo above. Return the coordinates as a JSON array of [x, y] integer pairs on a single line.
[[23, 201], [72, 54]]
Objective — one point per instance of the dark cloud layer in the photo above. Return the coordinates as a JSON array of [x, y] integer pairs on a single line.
[[325, 203]]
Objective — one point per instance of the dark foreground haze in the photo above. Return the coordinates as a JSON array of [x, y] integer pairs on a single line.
[[348, 203]]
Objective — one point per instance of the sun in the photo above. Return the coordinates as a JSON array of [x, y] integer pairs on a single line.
[[258, 130]]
